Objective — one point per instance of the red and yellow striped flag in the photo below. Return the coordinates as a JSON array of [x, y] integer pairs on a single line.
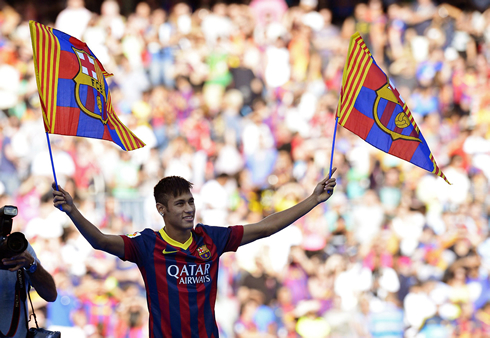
[[73, 90], [371, 107]]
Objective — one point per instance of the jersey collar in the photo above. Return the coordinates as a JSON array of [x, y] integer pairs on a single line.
[[173, 242]]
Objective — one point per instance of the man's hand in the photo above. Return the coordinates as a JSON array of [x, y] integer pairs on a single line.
[[23, 260], [324, 189], [62, 199]]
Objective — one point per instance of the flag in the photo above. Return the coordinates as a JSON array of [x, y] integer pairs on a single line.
[[371, 107], [73, 90]]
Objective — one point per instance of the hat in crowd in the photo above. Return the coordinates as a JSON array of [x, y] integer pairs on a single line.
[[309, 3], [314, 20], [306, 306]]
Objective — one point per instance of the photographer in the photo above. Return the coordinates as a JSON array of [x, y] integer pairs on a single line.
[[16, 258]]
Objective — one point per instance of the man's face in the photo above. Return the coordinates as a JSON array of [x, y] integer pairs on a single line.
[[180, 212]]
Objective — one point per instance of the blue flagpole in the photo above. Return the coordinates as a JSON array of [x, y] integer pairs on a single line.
[[52, 165], [333, 148], [333, 145]]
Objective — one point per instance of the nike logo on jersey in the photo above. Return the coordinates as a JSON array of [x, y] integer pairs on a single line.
[[168, 252]]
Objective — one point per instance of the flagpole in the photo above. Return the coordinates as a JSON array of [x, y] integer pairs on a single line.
[[333, 148], [52, 165], [333, 145]]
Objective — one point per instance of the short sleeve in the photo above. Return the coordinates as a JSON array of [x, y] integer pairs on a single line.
[[236, 234], [135, 245], [225, 239]]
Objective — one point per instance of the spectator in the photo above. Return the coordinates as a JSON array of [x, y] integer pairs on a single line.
[[73, 20], [310, 324]]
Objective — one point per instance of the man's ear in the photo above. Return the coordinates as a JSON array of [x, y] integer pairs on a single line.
[[161, 208]]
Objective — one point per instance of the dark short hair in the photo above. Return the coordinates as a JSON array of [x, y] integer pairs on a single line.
[[170, 185]]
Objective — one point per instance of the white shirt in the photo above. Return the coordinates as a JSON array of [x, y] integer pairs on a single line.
[[73, 21]]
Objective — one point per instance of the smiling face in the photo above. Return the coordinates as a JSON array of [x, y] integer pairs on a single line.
[[175, 202], [179, 212]]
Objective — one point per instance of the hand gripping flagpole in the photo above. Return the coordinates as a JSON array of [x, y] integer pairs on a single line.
[[52, 165]]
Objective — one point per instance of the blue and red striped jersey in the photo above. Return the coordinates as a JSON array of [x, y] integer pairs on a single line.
[[181, 279]]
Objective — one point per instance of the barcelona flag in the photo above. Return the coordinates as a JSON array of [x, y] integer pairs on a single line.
[[74, 94], [371, 107]]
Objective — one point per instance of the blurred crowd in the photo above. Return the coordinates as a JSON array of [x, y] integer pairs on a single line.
[[240, 99]]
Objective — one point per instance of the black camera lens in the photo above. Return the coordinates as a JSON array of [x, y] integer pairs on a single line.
[[16, 242]]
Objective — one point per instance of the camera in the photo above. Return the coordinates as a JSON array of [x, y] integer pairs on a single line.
[[11, 244]]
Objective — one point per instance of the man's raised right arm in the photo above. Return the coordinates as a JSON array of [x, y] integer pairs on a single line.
[[112, 244]]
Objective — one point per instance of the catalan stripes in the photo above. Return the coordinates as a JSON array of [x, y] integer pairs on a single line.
[[371, 107], [47, 57], [74, 94], [355, 73]]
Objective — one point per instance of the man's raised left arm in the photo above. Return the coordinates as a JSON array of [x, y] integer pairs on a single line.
[[278, 221]]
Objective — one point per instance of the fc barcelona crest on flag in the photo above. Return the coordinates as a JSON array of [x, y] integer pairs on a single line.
[[204, 253], [89, 90], [390, 116]]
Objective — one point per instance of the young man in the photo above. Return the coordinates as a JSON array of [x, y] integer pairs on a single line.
[[179, 263]]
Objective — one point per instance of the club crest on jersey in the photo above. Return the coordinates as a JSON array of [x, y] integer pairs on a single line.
[[133, 235], [204, 253]]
